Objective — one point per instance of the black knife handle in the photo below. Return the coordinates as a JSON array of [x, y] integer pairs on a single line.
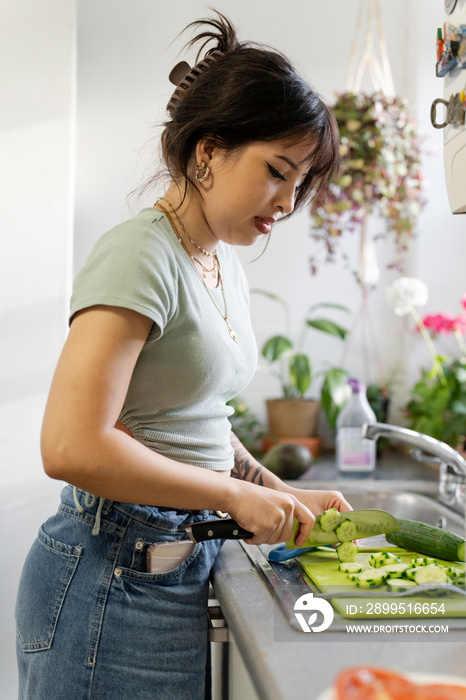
[[222, 529]]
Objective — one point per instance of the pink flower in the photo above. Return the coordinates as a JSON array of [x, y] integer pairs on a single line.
[[440, 323], [463, 300], [460, 323]]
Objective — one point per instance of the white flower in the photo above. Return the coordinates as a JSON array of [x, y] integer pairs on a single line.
[[406, 292]]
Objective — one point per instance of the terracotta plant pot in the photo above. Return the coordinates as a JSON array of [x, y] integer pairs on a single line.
[[293, 417]]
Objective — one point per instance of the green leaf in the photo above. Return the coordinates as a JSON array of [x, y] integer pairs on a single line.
[[300, 373], [276, 347], [323, 324], [335, 393]]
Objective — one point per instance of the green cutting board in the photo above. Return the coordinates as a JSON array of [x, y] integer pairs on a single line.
[[321, 566]]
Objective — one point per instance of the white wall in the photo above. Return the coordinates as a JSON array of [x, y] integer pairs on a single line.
[[124, 58], [36, 125], [36, 87]]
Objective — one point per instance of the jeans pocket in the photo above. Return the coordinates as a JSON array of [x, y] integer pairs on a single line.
[[46, 577]]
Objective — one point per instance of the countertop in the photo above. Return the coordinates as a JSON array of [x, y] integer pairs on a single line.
[[285, 663], [390, 466]]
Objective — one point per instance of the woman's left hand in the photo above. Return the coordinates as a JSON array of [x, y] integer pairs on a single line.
[[318, 501]]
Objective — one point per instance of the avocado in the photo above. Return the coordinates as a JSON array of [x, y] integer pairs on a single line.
[[288, 460]]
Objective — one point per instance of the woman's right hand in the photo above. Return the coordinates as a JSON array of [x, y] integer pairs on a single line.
[[268, 513]]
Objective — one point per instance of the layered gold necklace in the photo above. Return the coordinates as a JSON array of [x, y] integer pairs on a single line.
[[215, 270]]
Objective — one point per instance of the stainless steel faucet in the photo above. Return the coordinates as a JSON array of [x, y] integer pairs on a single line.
[[452, 472]]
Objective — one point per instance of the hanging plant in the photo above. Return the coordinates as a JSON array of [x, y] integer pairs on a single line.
[[380, 173]]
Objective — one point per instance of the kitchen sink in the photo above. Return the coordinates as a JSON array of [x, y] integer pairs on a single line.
[[403, 504]]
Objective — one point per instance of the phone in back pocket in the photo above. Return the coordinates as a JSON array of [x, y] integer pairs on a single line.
[[165, 556]]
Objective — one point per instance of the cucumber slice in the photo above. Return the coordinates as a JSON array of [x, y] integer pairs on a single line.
[[370, 577], [411, 572], [350, 567], [346, 531], [423, 561], [400, 584], [430, 574], [347, 551], [454, 571], [389, 556], [394, 570], [330, 519], [385, 561]]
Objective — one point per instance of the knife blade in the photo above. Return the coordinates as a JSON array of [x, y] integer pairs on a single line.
[[370, 522]]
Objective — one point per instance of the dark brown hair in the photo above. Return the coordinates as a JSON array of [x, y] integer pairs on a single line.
[[250, 93]]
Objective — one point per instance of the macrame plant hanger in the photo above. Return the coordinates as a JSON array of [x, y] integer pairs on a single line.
[[377, 65]]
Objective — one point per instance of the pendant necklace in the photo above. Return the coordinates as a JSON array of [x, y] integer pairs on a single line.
[[216, 266]]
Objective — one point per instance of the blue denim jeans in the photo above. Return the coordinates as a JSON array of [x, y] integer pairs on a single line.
[[92, 624]]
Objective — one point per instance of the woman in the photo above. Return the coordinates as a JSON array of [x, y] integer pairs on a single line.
[[160, 339]]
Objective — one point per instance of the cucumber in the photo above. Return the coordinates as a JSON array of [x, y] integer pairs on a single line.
[[346, 531], [347, 551], [383, 559], [427, 539], [370, 577], [454, 571], [394, 570], [423, 561], [351, 567], [400, 584], [330, 519], [430, 574], [411, 572]]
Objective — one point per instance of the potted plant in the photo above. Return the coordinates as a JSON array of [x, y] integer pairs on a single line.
[[294, 414], [380, 173], [437, 406]]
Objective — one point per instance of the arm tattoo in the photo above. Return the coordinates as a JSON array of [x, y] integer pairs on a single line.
[[246, 467]]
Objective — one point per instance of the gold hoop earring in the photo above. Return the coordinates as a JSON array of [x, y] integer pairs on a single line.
[[199, 168]]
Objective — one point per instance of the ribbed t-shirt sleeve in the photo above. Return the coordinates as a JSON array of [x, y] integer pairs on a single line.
[[131, 266]]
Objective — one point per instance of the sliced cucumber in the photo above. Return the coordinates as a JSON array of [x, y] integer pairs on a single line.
[[330, 519], [454, 571], [351, 567], [389, 556], [370, 577], [410, 573], [394, 570], [382, 559], [427, 539], [346, 531], [423, 561], [430, 574], [347, 551], [400, 584]]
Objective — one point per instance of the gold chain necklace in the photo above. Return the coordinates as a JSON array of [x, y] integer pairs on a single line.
[[220, 278], [205, 269], [188, 235]]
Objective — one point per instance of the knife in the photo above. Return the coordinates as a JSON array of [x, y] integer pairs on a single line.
[[370, 523], [221, 529]]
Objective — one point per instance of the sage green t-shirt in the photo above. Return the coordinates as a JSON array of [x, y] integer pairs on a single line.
[[189, 366]]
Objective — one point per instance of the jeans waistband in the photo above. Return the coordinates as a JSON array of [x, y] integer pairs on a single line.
[[118, 513]]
